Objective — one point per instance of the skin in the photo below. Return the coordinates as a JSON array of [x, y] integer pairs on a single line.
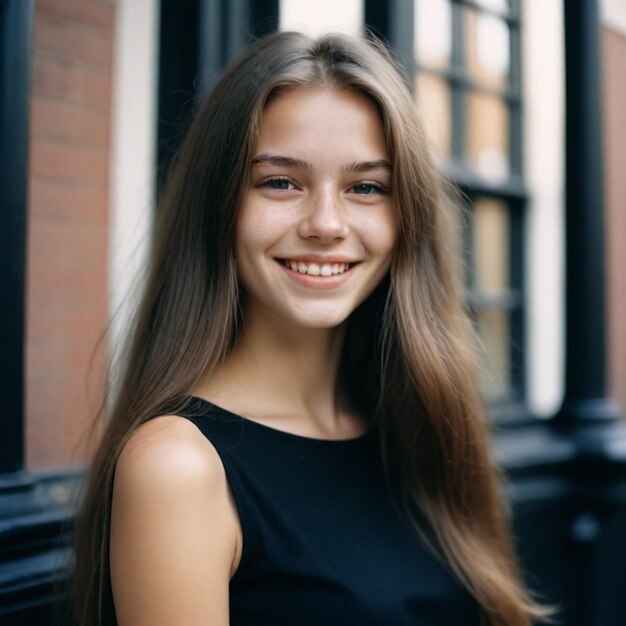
[[319, 191], [283, 371]]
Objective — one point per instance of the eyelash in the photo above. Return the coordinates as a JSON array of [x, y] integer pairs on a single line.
[[275, 179], [374, 187]]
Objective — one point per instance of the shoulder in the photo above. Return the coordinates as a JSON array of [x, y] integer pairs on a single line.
[[168, 462], [174, 527], [165, 450]]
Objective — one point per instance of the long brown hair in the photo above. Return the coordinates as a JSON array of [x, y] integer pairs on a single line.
[[415, 360]]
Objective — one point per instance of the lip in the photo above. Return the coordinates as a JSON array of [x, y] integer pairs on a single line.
[[319, 258], [318, 282]]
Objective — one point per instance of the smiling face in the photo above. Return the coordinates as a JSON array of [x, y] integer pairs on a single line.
[[317, 228]]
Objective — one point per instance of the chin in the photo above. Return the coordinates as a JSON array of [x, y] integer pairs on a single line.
[[320, 321], [315, 324]]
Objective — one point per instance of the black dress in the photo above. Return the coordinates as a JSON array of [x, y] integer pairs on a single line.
[[323, 544]]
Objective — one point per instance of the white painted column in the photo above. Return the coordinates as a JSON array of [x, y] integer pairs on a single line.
[[544, 119], [133, 156]]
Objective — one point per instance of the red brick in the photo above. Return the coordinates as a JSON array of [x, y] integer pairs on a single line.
[[63, 344], [66, 316], [58, 160], [63, 79], [57, 428], [66, 40], [59, 199], [614, 103], [92, 13], [64, 258], [55, 119], [67, 266]]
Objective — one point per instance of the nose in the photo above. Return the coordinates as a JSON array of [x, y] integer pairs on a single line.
[[325, 218]]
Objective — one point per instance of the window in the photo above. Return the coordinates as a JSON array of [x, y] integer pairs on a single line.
[[465, 63]]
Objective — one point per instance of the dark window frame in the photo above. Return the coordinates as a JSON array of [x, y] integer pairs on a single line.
[[393, 21], [197, 40], [16, 28]]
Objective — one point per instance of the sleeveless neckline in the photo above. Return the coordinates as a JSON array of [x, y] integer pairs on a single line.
[[321, 526], [210, 406]]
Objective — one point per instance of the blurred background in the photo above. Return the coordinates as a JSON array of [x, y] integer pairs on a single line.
[[523, 102]]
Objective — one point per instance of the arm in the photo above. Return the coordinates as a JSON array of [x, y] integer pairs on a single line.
[[175, 534]]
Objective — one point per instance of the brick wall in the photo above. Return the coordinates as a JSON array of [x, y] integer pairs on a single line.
[[614, 79], [67, 222]]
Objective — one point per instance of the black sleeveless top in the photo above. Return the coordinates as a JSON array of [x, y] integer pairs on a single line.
[[323, 544]]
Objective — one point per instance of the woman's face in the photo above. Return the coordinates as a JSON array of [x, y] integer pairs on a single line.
[[317, 228]]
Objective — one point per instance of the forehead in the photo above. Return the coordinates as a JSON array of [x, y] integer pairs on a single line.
[[326, 122]]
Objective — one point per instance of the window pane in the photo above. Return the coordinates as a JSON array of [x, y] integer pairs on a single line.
[[494, 332], [433, 32], [490, 276], [316, 18], [434, 100], [487, 48], [494, 5], [490, 245], [488, 136]]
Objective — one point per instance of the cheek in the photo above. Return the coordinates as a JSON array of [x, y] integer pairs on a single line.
[[246, 244], [259, 226], [250, 233], [243, 238], [383, 235]]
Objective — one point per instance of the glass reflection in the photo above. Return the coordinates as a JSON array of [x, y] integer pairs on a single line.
[[487, 49], [502, 6], [491, 235], [434, 101], [488, 136], [433, 32], [494, 332]]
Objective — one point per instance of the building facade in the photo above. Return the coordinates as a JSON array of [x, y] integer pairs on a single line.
[[523, 103]]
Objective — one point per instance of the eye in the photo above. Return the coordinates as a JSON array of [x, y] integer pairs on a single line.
[[367, 189], [278, 183]]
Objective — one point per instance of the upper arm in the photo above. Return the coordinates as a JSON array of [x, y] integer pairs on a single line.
[[173, 535]]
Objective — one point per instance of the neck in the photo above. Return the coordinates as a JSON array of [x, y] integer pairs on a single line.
[[281, 372]]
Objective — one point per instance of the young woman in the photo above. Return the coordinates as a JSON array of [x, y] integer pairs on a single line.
[[298, 437]]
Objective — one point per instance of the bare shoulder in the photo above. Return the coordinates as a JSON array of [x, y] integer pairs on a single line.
[[165, 450], [174, 528]]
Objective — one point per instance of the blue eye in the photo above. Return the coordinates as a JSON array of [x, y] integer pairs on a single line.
[[366, 188], [279, 184]]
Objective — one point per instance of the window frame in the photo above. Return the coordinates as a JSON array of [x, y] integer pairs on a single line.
[[393, 21]]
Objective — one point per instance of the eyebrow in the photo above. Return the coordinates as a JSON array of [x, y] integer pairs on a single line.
[[366, 166], [275, 159], [285, 161]]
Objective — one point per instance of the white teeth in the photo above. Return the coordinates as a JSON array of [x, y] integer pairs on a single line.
[[315, 269]]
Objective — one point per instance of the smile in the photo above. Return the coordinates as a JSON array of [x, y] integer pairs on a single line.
[[317, 269]]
